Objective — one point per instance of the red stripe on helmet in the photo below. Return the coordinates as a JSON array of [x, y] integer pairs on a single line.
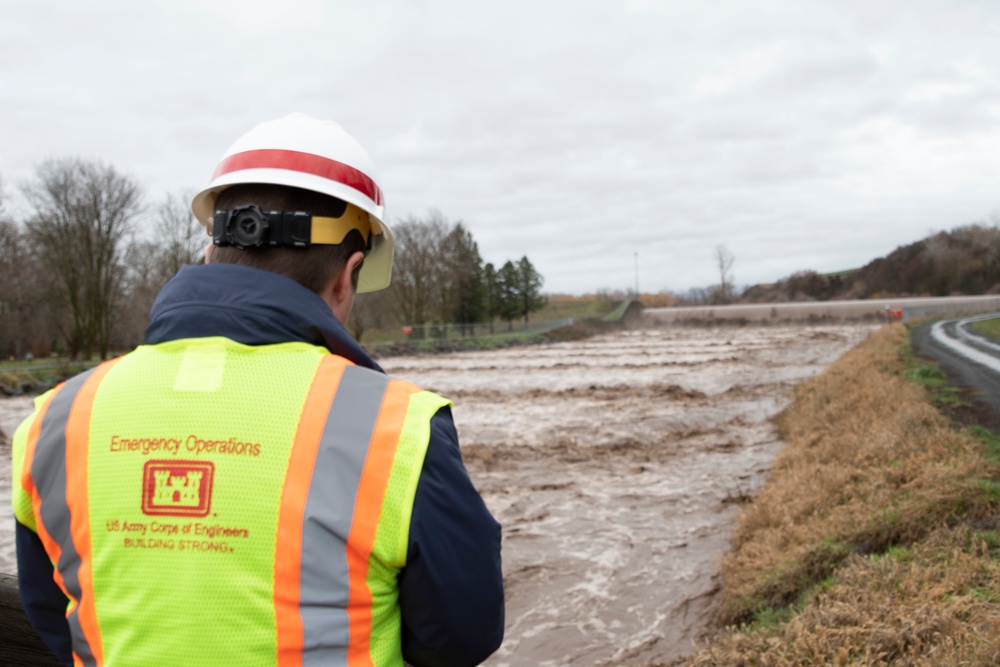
[[305, 163]]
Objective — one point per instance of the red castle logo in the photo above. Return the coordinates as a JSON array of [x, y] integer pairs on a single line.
[[177, 488]]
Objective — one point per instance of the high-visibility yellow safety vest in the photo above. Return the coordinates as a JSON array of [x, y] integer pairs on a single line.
[[206, 502]]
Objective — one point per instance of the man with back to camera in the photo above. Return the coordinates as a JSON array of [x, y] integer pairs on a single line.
[[249, 487]]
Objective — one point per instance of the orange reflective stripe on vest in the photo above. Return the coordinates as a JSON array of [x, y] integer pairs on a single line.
[[27, 483], [371, 490], [288, 557], [337, 478], [58, 483]]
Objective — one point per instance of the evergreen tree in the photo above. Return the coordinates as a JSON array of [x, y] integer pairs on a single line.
[[508, 290], [529, 290], [462, 269], [492, 296], [415, 291]]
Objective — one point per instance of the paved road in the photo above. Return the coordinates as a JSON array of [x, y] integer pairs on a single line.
[[969, 359]]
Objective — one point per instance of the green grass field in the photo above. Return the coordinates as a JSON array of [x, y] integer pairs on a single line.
[[989, 328], [39, 372], [48, 371], [501, 333]]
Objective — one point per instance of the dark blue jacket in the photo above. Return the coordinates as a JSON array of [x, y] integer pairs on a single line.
[[451, 591]]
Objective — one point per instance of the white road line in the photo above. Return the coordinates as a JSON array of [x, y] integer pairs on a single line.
[[960, 344]]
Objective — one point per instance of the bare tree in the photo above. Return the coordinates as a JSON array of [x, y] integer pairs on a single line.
[[724, 262], [21, 329], [84, 214], [177, 240], [179, 236], [945, 259], [145, 277], [416, 278]]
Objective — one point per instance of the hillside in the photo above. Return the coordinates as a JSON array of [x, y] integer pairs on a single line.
[[965, 260]]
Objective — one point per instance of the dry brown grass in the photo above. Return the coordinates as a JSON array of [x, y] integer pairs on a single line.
[[871, 466], [934, 605]]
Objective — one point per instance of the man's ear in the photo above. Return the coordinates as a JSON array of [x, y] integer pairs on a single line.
[[343, 285], [340, 294]]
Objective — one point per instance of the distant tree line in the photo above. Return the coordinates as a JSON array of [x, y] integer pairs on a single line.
[[82, 267], [965, 260], [79, 274], [439, 277]]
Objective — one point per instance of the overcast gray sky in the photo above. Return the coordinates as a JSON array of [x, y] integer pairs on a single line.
[[800, 134]]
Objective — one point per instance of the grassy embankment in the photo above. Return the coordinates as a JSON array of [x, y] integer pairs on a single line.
[[876, 540], [39, 374], [588, 315], [989, 328]]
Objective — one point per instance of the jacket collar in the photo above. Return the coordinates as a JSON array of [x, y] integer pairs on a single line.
[[248, 306]]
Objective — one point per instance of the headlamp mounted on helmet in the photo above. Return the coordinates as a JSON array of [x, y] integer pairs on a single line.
[[250, 227]]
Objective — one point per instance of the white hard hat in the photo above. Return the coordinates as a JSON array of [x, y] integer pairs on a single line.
[[319, 155]]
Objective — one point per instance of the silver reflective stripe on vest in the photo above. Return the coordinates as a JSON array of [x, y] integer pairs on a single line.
[[48, 472], [329, 511]]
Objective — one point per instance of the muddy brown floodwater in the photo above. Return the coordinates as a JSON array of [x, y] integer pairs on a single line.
[[616, 465]]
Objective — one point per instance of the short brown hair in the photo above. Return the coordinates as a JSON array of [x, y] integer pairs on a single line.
[[313, 267]]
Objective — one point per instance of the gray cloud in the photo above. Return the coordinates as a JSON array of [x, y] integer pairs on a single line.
[[800, 134]]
